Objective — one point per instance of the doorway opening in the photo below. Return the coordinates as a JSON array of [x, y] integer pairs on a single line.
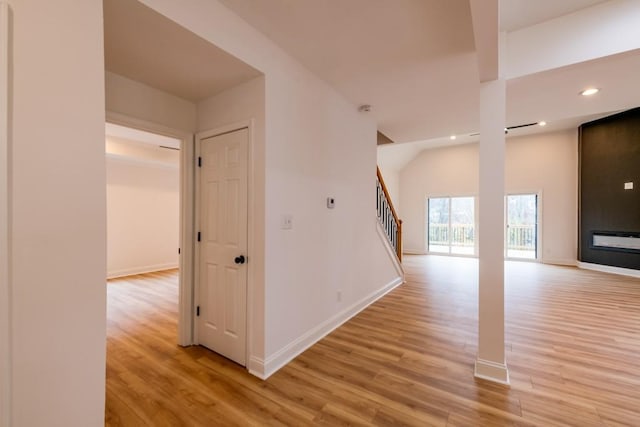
[[148, 169], [521, 236], [143, 201], [451, 225]]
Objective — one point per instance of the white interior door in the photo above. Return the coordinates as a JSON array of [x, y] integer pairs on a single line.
[[222, 282]]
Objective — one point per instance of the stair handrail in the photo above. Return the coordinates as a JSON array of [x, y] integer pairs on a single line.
[[388, 216]]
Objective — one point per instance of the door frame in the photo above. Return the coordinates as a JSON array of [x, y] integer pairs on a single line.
[[221, 130], [186, 221], [538, 194], [5, 214]]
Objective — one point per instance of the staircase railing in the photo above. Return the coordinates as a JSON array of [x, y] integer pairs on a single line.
[[387, 216]]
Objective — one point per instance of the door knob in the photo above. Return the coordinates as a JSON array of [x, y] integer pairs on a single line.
[[240, 259]]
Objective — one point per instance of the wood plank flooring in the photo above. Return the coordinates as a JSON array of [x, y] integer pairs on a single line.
[[573, 351]]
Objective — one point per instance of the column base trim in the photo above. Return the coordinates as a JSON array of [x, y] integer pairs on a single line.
[[491, 371]]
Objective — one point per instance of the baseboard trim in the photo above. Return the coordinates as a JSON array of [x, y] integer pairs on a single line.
[[565, 262], [256, 367], [413, 252], [276, 361], [609, 269], [492, 371], [393, 257], [141, 270]]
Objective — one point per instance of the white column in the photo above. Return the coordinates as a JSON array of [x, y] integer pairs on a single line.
[[490, 363]]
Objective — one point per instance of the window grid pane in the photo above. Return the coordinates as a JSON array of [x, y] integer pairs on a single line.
[[451, 225]]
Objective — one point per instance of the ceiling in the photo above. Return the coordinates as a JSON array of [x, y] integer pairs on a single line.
[[413, 61], [554, 95], [128, 144], [145, 46], [518, 14]]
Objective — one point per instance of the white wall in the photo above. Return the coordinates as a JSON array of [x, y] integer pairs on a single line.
[[445, 171], [58, 186], [549, 163], [142, 210], [546, 163], [139, 101], [316, 145]]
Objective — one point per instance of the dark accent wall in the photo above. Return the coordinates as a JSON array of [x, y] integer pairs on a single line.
[[609, 157]]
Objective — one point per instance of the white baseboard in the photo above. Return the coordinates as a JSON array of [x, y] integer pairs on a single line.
[[492, 371], [256, 367], [393, 257], [609, 269], [566, 262], [141, 270], [264, 369], [413, 251]]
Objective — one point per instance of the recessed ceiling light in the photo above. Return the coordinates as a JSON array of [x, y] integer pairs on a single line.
[[542, 123], [452, 137], [590, 91]]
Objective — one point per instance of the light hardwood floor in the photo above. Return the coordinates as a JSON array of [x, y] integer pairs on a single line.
[[573, 351]]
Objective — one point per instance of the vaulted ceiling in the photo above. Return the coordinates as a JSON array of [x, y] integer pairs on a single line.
[[414, 61], [518, 14]]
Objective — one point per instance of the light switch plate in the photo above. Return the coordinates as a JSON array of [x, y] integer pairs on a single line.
[[331, 202], [628, 185], [286, 222]]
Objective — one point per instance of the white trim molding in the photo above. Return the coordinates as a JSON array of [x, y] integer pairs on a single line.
[[256, 367], [5, 214], [263, 369], [562, 262], [492, 371], [414, 252], [390, 250], [141, 270], [609, 269], [276, 361]]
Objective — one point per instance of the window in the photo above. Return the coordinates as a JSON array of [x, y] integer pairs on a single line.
[[522, 226], [451, 225]]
